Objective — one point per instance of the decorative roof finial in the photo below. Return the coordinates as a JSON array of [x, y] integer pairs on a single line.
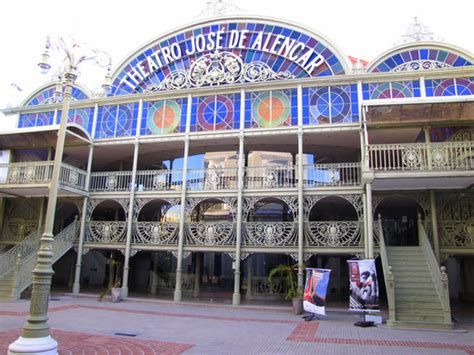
[[418, 32], [216, 8]]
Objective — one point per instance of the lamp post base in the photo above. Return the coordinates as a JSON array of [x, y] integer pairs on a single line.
[[31, 346]]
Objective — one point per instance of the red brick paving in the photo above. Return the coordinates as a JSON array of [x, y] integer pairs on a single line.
[[83, 343], [306, 332]]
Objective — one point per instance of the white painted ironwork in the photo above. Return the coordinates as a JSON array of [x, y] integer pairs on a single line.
[[158, 233], [111, 181], [71, 176], [218, 68], [268, 177], [422, 156], [33, 172], [457, 233], [211, 233], [418, 32], [334, 234], [466, 134], [270, 234], [106, 231], [63, 241], [422, 64], [212, 179], [28, 246], [337, 174], [159, 180]]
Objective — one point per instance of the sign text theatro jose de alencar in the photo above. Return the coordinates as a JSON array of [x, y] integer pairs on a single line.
[[277, 44]]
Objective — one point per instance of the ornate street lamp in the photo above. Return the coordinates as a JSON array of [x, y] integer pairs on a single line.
[[35, 338]]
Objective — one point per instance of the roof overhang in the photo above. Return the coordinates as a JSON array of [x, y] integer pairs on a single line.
[[425, 111], [42, 137]]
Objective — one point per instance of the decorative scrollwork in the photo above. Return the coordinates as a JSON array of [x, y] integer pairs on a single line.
[[211, 233], [218, 68], [411, 157], [457, 233], [333, 233], [155, 233], [421, 65], [270, 233], [106, 231]]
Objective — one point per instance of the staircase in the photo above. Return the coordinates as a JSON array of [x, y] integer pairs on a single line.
[[16, 264], [417, 290]]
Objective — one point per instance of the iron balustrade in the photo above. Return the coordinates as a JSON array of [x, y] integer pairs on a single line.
[[267, 177], [32, 172], [71, 176], [111, 181], [270, 234], [334, 234], [212, 179], [40, 172], [210, 233], [159, 180], [422, 156], [155, 233], [106, 231], [334, 174]]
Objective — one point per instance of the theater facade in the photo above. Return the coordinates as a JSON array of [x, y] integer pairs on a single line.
[[233, 145]]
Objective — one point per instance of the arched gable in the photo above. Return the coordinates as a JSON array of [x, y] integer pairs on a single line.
[[421, 56], [225, 51], [44, 95]]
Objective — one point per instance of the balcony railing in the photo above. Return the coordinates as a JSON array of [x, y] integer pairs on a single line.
[[155, 233], [268, 177], [159, 180], [333, 234], [73, 177], [111, 181], [211, 233], [422, 156], [212, 179], [40, 172], [106, 231], [337, 174], [270, 234]]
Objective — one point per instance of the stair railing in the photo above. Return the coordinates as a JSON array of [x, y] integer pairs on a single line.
[[25, 248], [387, 274], [438, 274], [63, 241]]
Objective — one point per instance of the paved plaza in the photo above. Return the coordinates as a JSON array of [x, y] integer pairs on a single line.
[[82, 325]]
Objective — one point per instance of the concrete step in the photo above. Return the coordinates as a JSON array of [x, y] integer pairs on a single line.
[[402, 298], [405, 290], [409, 267], [410, 317], [420, 325]]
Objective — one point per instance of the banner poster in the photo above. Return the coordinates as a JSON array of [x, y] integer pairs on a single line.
[[364, 287], [314, 299]]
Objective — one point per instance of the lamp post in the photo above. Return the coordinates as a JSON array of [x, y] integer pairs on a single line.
[[35, 338]]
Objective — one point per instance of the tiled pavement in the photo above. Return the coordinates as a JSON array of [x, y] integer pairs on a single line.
[[85, 326]]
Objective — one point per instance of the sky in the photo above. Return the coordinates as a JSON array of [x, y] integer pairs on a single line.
[[363, 29]]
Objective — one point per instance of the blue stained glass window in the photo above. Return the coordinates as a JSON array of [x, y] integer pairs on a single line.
[[82, 116], [388, 90], [215, 113], [163, 117], [268, 109], [117, 120], [46, 94], [36, 119], [330, 104], [449, 87]]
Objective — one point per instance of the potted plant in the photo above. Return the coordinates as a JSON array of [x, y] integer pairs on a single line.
[[293, 293]]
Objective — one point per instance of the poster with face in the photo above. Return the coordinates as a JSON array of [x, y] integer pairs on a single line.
[[315, 291], [364, 287]]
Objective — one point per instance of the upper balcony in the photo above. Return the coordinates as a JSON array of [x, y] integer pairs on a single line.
[[421, 165], [219, 179], [33, 178]]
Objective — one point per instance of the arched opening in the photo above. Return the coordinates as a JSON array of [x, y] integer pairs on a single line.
[[108, 223], [399, 220], [333, 222], [270, 210], [211, 224]]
